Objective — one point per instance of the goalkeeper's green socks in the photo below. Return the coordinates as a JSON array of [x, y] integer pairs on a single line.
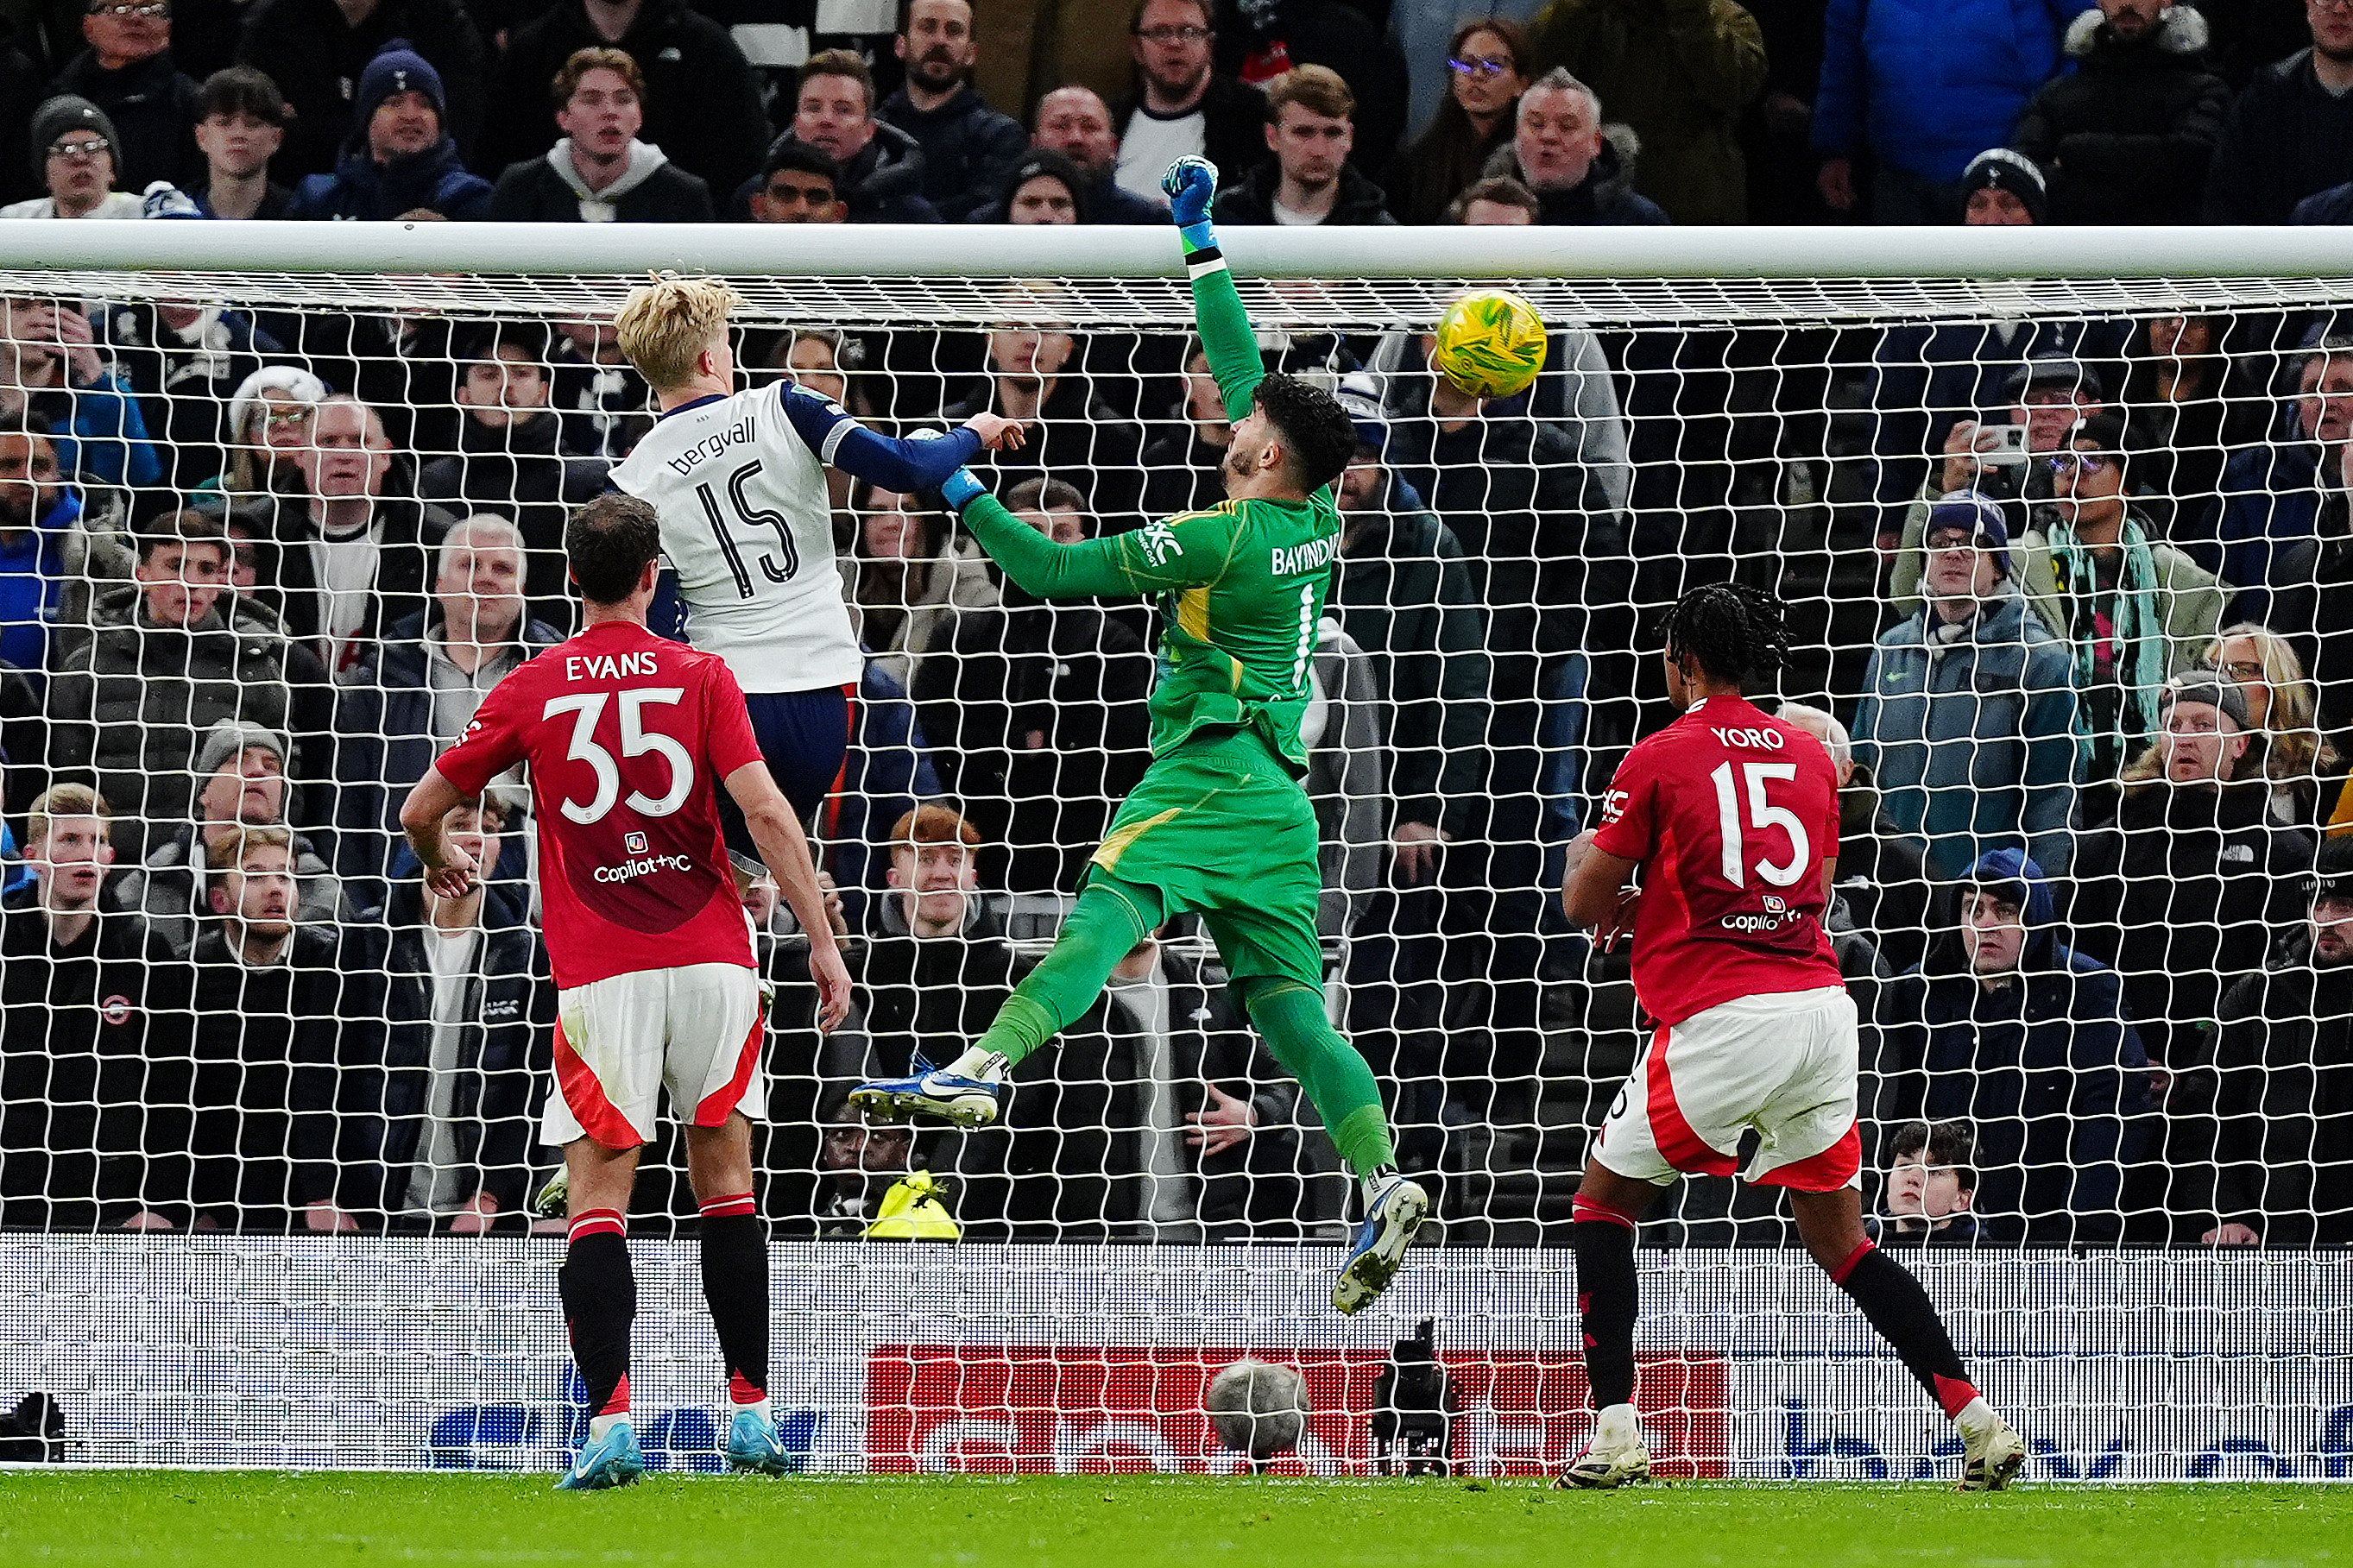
[[1109, 919], [1332, 1072]]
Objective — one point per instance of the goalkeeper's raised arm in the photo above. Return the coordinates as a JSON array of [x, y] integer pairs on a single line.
[[1226, 337], [1290, 440]]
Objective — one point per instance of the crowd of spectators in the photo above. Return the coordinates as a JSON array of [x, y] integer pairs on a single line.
[[2075, 592], [1320, 111]]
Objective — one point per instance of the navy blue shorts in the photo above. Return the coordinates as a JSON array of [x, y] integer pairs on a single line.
[[804, 736]]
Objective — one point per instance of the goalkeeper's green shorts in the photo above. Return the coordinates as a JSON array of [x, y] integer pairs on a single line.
[[1219, 826]]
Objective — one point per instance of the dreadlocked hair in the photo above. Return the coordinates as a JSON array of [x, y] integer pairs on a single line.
[[1732, 631]]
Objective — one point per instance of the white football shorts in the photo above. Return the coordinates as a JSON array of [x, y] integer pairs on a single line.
[[619, 1041], [1784, 1064]]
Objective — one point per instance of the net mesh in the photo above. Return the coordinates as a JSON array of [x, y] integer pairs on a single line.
[[2142, 1050]]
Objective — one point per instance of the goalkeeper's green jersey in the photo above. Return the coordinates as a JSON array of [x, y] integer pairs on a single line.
[[1242, 585]]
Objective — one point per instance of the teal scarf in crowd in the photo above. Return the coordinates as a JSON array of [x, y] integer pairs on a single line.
[[2140, 637]]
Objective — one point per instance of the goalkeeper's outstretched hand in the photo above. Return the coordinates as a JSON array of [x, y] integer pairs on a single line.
[[1192, 185], [961, 486]]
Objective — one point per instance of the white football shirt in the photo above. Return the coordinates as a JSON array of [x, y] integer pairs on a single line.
[[747, 527]]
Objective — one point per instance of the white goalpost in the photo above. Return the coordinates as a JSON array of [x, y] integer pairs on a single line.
[[265, 1197]]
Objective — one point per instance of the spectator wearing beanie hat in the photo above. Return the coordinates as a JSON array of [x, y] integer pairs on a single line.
[[242, 780], [1968, 716], [2001, 187], [398, 159], [74, 149], [1044, 187], [317, 53]]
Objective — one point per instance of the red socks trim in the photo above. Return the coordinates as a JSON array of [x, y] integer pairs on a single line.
[[1845, 1270], [732, 1203], [1585, 1208], [1954, 1393], [595, 1222]]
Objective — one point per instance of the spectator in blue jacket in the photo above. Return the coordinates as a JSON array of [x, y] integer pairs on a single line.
[[969, 149], [2006, 1026], [1923, 87], [1967, 713], [400, 157], [37, 514], [2271, 492]]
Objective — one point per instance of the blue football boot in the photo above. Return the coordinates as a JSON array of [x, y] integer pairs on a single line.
[[1395, 1213]]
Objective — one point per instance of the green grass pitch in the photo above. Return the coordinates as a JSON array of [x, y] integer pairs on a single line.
[[258, 1519]]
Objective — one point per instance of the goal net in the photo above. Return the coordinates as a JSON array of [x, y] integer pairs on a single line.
[[2065, 564]]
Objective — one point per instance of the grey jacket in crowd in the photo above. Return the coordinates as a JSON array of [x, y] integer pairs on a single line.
[[130, 701], [170, 889], [1973, 741]]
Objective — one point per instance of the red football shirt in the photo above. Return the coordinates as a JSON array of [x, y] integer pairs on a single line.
[[628, 735], [1732, 814]]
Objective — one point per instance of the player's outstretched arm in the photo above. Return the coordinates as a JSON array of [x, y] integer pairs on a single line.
[[785, 850], [448, 867], [1217, 310], [904, 464], [1184, 552]]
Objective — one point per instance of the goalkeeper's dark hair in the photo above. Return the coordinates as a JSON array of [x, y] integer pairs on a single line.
[[1732, 632], [1316, 432], [609, 542]]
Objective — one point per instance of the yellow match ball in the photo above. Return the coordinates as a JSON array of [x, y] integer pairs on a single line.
[[1489, 343]]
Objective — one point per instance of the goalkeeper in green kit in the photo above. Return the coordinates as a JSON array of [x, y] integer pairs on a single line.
[[1218, 824]]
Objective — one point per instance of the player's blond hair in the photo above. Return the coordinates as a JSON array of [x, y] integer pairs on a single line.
[[665, 325]]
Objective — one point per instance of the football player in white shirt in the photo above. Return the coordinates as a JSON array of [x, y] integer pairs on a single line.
[[738, 478]]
